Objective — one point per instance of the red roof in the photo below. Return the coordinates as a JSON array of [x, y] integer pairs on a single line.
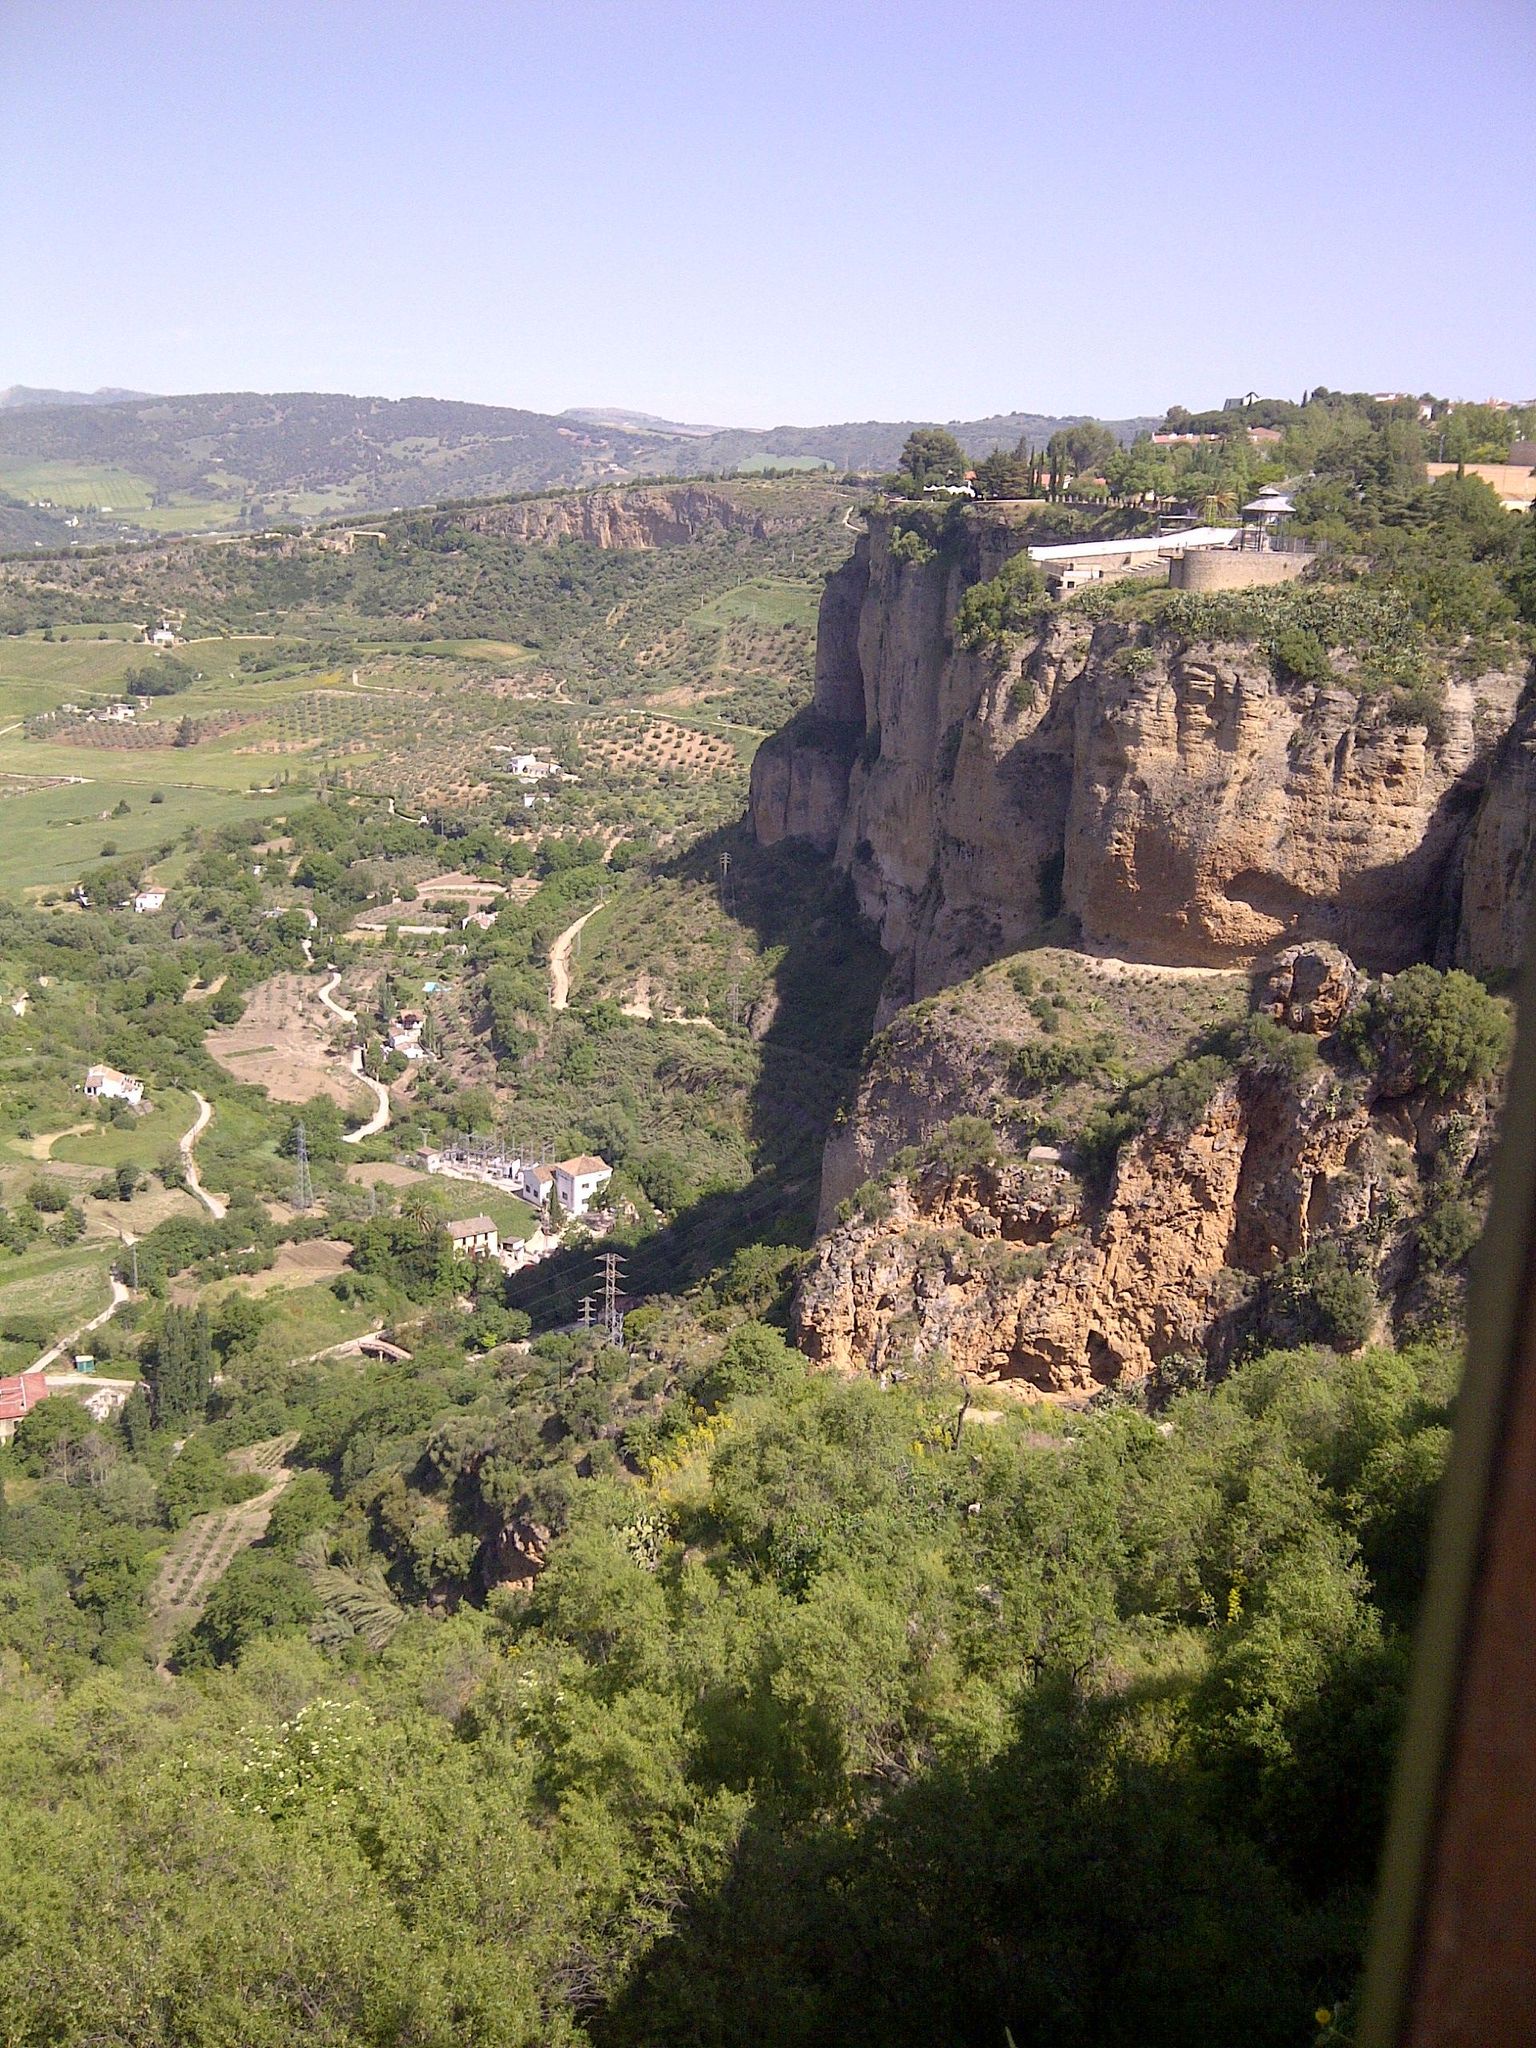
[[21, 1392]]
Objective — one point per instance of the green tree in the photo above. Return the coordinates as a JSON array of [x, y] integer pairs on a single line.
[[1523, 577], [932, 456]]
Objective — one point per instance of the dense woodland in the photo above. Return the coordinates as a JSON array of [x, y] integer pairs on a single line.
[[671, 1690]]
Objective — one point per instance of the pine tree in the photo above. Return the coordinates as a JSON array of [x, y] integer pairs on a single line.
[[137, 1420]]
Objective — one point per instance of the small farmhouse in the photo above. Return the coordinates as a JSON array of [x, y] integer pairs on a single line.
[[106, 1084], [148, 901], [19, 1395], [579, 1182], [474, 1238]]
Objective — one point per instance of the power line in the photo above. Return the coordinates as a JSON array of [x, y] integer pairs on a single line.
[[303, 1187], [613, 1321]]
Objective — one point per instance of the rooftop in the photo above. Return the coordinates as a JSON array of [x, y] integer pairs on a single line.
[[471, 1226], [584, 1165]]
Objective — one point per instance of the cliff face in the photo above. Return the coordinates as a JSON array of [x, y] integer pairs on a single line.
[[1013, 1273], [1179, 800], [1499, 871], [639, 517], [1173, 815]]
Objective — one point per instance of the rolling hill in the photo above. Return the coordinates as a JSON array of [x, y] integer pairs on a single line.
[[75, 470]]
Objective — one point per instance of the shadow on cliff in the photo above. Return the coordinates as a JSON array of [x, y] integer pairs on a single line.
[[810, 1036]]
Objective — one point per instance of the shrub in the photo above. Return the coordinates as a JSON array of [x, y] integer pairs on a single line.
[[910, 546], [991, 614], [1300, 655], [1318, 1299], [1447, 1233], [1425, 1029], [1044, 1066], [965, 1144], [1259, 1045]]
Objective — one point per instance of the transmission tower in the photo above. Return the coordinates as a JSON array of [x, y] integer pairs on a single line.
[[726, 892], [303, 1187], [613, 1320], [587, 1306]]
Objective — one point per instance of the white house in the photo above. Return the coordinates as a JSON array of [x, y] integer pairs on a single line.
[[579, 1182], [108, 1085], [164, 635], [149, 900], [475, 1237]]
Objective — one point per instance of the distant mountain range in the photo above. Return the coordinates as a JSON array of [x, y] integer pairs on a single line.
[[15, 395], [78, 467]]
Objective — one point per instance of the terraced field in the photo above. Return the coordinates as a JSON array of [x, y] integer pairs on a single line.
[[210, 1543]]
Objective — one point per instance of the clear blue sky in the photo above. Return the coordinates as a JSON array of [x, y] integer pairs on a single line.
[[752, 213]]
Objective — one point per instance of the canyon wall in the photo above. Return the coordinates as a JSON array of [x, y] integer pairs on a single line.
[[1176, 798], [629, 517], [1193, 829]]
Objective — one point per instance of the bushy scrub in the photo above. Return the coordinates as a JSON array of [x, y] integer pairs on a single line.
[[991, 615], [1427, 1029]]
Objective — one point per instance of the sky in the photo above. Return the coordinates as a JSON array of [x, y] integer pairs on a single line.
[[749, 213]]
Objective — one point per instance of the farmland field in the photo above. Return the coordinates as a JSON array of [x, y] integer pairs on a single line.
[[78, 486]]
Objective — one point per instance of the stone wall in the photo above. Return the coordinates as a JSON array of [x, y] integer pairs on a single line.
[[1234, 569]]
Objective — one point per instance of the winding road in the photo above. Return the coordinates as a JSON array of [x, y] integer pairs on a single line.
[[120, 1294], [560, 961], [216, 1205], [379, 1121]]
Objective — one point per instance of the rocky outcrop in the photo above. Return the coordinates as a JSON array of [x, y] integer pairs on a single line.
[[627, 517], [1180, 800], [1013, 1274]]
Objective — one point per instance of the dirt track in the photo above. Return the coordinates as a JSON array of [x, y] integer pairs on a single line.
[[560, 961]]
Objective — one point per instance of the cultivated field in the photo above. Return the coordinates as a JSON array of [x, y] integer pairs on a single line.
[[283, 1043]]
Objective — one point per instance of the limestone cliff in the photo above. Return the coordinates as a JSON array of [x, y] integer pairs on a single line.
[[1180, 800], [629, 517], [1024, 1273]]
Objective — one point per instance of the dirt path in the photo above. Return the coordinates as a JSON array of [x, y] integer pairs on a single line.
[[327, 996], [379, 1121], [119, 1296], [560, 961], [216, 1205], [210, 1543]]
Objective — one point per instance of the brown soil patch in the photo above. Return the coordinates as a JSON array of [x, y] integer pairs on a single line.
[[301, 1265], [283, 1044], [456, 884], [383, 1173]]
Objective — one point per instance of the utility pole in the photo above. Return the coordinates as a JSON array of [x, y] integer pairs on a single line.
[[613, 1321], [303, 1187], [725, 884]]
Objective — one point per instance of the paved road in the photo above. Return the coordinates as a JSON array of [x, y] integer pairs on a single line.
[[560, 961], [216, 1205]]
